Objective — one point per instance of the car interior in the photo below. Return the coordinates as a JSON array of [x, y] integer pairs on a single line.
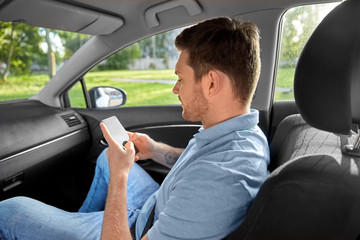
[[48, 148]]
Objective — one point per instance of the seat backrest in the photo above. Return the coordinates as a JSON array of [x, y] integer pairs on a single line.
[[295, 138], [309, 197], [314, 192]]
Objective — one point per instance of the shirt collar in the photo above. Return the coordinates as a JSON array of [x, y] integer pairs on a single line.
[[242, 122]]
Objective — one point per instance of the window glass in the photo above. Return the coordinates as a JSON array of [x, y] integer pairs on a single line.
[[30, 56], [144, 70], [76, 96], [298, 25]]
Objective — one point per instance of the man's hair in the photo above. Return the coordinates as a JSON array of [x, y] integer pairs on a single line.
[[226, 45]]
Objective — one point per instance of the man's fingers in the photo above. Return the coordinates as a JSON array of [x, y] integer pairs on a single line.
[[130, 134], [109, 139], [133, 136], [129, 146]]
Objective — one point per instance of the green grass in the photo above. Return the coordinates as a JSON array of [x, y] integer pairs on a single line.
[[284, 82], [138, 94], [20, 87]]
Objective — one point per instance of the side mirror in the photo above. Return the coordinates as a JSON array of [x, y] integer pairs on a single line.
[[103, 97]]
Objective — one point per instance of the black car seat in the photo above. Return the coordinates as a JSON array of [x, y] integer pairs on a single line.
[[296, 138], [315, 191]]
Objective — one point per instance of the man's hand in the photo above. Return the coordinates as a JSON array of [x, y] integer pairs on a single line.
[[157, 151], [144, 144], [120, 160]]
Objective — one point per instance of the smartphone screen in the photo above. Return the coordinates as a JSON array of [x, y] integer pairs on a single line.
[[116, 130]]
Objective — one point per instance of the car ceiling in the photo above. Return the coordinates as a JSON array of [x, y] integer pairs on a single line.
[[118, 23], [52, 14]]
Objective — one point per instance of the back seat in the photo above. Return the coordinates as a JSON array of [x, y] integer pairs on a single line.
[[295, 138]]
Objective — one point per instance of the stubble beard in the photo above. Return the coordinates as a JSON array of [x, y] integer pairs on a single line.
[[196, 108]]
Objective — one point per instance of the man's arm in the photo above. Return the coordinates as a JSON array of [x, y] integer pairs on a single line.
[[159, 152], [166, 155], [115, 223]]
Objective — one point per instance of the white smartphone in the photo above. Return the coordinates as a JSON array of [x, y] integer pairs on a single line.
[[116, 130]]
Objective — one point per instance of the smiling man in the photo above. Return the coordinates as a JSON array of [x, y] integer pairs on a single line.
[[211, 182]]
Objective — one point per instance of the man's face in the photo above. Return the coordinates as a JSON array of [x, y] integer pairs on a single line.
[[189, 92]]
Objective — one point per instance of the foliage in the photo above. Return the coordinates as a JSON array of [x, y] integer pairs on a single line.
[[121, 59], [167, 74], [299, 24], [159, 46], [20, 44], [71, 42], [27, 49]]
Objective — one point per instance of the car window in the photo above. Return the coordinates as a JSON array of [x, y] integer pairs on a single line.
[[30, 56], [298, 25], [76, 95], [144, 70]]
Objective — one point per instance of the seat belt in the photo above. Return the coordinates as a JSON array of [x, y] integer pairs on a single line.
[[149, 222]]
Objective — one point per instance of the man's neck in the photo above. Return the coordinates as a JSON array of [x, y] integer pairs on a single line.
[[223, 114]]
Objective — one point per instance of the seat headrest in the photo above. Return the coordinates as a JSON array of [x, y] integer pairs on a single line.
[[327, 77]]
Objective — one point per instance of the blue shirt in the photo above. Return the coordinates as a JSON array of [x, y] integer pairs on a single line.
[[207, 192]]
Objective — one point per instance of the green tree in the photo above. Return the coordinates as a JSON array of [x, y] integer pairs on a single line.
[[290, 44], [71, 42], [157, 46], [122, 59], [50, 54], [299, 24], [19, 45]]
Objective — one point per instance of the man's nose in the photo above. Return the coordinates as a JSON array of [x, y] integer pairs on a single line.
[[176, 88]]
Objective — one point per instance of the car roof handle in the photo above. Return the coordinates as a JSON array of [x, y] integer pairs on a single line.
[[192, 7]]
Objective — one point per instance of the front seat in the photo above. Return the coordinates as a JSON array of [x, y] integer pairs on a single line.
[[314, 193]]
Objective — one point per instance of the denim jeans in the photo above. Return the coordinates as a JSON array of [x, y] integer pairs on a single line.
[[26, 218]]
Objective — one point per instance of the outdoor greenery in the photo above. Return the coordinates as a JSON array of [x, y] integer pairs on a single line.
[[284, 84], [29, 57], [27, 50], [138, 93], [299, 23]]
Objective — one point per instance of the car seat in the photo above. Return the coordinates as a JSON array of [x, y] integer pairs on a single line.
[[314, 191]]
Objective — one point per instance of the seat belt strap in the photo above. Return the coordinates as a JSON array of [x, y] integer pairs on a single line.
[[149, 222]]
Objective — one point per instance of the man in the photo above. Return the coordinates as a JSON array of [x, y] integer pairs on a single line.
[[212, 182]]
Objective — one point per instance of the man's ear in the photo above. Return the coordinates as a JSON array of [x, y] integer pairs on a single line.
[[211, 83]]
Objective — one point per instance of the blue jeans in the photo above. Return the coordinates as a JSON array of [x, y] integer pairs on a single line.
[[26, 218]]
